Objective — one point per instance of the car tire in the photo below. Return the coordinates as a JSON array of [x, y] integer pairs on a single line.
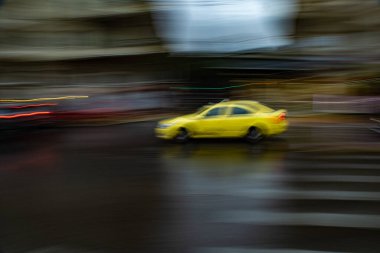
[[182, 136], [254, 135]]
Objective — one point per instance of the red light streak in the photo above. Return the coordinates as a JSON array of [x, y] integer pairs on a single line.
[[23, 115]]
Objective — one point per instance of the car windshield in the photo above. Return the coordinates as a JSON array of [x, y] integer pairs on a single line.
[[202, 109]]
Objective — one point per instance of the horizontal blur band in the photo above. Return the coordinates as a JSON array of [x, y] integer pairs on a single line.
[[31, 106], [40, 99]]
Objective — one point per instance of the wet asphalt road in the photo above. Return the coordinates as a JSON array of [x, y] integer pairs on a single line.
[[118, 189]]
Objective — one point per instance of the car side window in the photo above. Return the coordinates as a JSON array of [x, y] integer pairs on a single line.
[[238, 111], [215, 112]]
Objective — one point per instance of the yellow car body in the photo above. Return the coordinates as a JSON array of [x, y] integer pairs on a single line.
[[230, 119]]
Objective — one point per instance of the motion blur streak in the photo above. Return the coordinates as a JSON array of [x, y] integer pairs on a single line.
[[40, 99], [23, 115], [33, 105], [223, 26], [210, 88]]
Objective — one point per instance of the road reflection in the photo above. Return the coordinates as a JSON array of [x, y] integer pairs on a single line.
[[226, 157], [118, 188]]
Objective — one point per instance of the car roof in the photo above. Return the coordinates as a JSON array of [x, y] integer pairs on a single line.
[[249, 103], [243, 102], [238, 102]]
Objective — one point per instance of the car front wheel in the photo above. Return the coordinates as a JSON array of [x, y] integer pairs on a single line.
[[182, 136]]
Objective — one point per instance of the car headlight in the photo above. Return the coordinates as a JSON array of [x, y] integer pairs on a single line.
[[162, 126]]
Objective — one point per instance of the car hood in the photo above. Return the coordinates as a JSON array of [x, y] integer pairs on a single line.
[[179, 119]]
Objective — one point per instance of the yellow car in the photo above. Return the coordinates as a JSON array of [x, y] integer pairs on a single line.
[[227, 119]]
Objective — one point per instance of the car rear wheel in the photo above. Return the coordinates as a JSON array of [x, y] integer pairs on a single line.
[[182, 136], [254, 135]]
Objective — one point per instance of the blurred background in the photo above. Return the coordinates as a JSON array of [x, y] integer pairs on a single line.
[[307, 56], [83, 82]]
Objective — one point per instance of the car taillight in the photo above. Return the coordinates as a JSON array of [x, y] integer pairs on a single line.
[[282, 116]]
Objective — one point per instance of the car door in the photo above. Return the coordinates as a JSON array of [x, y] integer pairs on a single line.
[[211, 123], [238, 120]]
